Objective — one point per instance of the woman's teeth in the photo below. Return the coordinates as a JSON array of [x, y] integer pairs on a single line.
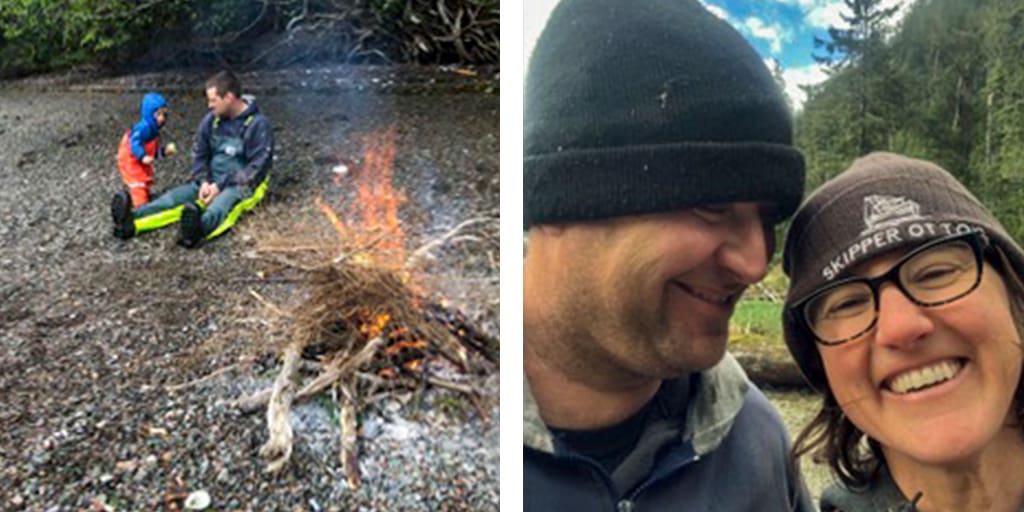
[[925, 377]]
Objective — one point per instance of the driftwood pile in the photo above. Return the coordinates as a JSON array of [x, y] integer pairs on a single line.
[[368, 31], [364, 330]]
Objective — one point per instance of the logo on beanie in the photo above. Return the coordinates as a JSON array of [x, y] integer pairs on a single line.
[[885, 211], [888, 221]]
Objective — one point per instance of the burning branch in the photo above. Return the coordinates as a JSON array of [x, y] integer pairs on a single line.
[[363, 315]]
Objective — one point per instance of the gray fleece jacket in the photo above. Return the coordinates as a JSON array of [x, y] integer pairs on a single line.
[[722, 448]]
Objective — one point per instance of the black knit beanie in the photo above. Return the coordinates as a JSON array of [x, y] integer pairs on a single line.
[[652, 106], [882, 202]]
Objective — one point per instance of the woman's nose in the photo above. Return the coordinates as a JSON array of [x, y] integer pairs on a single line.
[[900, 322]]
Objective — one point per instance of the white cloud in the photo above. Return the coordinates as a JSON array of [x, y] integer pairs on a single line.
[[795, 77], [825, 13], [774, 33], [716, 10], [799, 3]]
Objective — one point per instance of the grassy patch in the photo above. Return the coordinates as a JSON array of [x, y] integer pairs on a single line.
[[757, 317]]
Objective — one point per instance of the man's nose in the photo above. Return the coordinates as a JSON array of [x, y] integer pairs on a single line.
[[745, 251]]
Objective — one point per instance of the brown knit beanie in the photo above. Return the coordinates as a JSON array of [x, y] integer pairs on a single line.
[[882, 202]]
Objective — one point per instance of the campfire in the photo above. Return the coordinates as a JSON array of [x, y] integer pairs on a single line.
[[366, 324]]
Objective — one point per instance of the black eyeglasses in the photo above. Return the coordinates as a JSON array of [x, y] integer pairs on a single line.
[[934, 274]]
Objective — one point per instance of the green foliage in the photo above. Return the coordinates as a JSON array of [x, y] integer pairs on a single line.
[[44, 35], [759, 317], [38, 35], [856, 54], [218, 21], [857, 44], [948, 87]]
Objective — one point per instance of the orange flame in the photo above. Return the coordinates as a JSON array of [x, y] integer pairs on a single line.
[[374, 326], [397, 347], [373, 214], [376, 203]]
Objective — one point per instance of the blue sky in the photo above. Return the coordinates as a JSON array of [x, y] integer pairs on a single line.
[[778, 29]]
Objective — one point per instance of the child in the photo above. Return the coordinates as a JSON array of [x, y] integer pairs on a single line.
[[140, 147]]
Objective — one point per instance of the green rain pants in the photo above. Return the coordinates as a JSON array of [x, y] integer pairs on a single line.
[[217, 218]]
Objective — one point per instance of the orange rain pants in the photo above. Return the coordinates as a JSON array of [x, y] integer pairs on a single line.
[[137, 176]]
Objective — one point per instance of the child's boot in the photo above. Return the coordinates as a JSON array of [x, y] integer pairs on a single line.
[[121, 211]]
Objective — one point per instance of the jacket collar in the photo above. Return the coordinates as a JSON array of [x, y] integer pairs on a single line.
[[882, 494], [709, 415]]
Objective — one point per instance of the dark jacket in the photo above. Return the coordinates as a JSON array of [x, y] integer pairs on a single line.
[[146, 129], [881, 495], [250, 166], [730, 454]]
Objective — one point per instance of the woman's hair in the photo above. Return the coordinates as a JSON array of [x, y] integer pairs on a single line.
[[856, 458]]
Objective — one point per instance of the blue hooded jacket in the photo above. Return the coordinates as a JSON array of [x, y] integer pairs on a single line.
[[146, 129]]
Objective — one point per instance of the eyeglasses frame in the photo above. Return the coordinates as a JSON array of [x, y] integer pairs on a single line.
[[978, 241]]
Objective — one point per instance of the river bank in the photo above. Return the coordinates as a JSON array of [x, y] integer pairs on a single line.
[[93, 330]]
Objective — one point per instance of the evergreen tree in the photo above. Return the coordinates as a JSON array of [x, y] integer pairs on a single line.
[[780, 80], [947, 86], [858, 48]]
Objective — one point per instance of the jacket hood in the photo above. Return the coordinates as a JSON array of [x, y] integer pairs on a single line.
[[151, 102], [250, 106], [709, 415]]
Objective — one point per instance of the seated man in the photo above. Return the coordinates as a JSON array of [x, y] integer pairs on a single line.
[[232, 156]]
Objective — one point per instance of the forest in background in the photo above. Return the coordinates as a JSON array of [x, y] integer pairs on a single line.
[[140, 35], [946, 85]]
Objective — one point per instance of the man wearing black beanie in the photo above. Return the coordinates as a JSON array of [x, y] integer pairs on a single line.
[[658, 159]]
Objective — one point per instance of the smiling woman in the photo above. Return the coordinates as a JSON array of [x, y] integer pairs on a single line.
[[914, 344]]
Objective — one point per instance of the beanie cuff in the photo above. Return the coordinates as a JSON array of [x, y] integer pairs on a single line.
[[591, 184]]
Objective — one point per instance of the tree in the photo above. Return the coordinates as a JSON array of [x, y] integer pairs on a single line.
[[780, 80], [1000, 146], [850, 46], [946, 86], [857, 48]]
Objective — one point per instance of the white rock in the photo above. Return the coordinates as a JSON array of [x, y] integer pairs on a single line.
[[198, 500]]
